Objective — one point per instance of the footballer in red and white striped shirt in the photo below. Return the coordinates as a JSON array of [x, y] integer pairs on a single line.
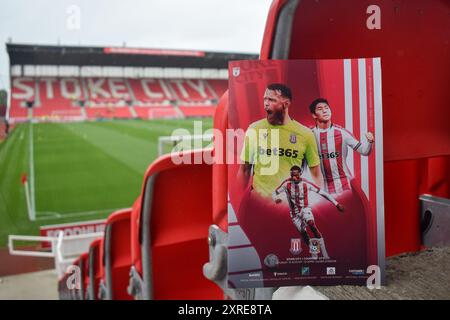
[[333, 142], [297, 192]]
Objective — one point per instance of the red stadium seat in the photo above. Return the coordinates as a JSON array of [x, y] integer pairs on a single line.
[[84, 275], [64, 292], [116, 258], [20, 95], [219, 86], [95, 271], [169, 232], [76, 294], [150, 91], [192, 90], [81, 262]]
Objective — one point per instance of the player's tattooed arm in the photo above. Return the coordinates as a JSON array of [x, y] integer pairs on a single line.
[[316, 175]]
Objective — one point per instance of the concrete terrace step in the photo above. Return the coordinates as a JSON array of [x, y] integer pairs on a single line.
[[421, 275], [42, 285]]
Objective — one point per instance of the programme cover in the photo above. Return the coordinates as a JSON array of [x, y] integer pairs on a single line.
[[306, 188]]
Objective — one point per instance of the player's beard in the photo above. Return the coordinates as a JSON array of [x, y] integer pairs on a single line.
[[276, 117]]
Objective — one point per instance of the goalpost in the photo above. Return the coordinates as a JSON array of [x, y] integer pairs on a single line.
[[169, 144]]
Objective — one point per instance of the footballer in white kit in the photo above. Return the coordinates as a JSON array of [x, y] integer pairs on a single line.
[[296, 190], [333, 142]]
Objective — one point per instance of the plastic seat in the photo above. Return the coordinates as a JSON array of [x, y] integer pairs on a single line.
[[116, 257], [95, 271], [169, 232], [84, 275], [81, 263]]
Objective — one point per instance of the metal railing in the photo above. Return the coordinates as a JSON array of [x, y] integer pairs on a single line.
[[64, 249]]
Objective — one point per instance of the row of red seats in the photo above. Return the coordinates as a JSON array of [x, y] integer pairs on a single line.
[[156, 249], [58, 96], [105, 112], [154, 112]]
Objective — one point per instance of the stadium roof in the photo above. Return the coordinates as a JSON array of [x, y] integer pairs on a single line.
[[24, 54]]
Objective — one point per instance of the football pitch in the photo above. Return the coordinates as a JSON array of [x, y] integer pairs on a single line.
[[76, 171]]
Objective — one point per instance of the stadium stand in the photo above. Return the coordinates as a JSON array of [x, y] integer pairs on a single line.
[[3, 123], [108, 112], [196, 98], [22, 97], [53, 83], [116, 259]]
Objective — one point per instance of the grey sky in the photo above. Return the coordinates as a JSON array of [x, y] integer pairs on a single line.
[[212, 25]]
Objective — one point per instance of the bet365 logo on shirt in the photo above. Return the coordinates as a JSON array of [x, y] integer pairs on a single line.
[[280, 152], [329, 155]]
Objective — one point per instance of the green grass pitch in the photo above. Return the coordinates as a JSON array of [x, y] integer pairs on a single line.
[[82, 171]]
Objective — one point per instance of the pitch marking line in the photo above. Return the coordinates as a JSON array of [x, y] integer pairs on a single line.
[[47, 215]]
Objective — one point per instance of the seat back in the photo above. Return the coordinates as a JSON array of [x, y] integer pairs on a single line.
[[85, 275], [75, 292], [117, 255], [94, 269], [176, 212], [83, 261]]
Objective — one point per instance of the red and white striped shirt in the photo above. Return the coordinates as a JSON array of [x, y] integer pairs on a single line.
[[333, 144], [297, 194]]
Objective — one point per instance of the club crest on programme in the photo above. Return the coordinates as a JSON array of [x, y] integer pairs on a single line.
[[314, 246], [236, 71], [296, 246]]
